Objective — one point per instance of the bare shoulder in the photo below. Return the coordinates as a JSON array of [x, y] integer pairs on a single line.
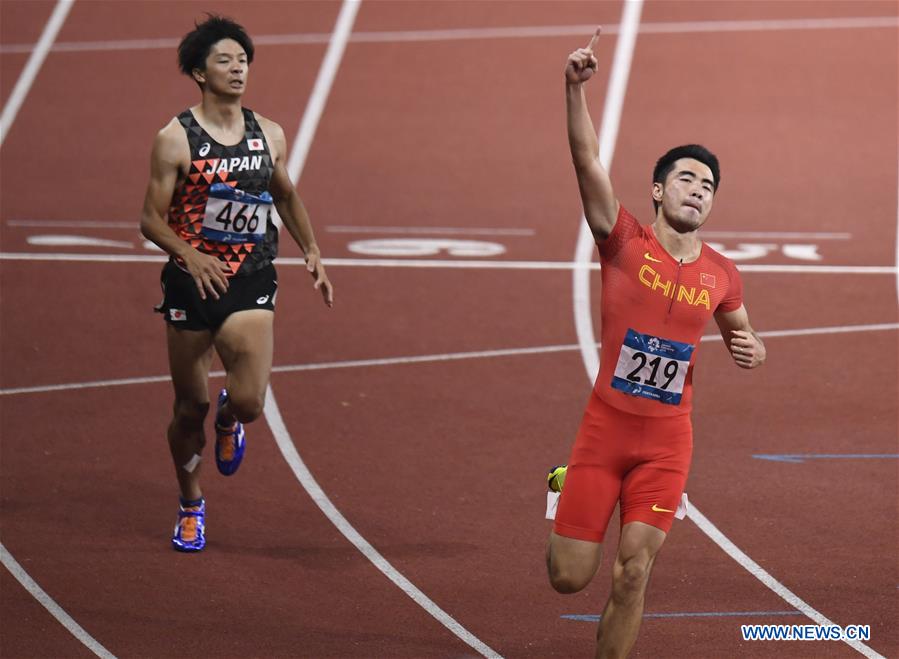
[[170, 144], [269, 127], [274, 135]]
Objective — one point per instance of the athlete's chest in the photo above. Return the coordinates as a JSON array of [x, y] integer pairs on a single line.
[[248, 161], [646, 283]]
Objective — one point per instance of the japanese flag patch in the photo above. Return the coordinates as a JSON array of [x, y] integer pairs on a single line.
[[255, 144]]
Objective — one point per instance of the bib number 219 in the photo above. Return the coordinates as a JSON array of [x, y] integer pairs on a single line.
[[652, 367], [669, 371]]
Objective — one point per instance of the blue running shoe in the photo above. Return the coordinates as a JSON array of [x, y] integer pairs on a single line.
[[190, 531], [229, 441]]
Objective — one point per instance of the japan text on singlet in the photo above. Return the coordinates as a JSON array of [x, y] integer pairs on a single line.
[[224, 207], [654, 311]]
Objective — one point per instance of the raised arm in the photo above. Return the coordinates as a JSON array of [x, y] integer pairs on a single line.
[[168, 161], [597, 196], [293, 213], [744, 345]]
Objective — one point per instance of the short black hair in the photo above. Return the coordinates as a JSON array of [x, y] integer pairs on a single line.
[[665, 164], [196, 44]]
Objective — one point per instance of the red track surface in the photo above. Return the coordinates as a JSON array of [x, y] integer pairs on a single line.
[[439, 464]]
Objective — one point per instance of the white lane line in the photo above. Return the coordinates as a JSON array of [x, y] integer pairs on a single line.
[[772, 25], [33, 66], [10, 111], [782, 235], [897, 245], [307, 480], [486, 231], [524, 32], [820, 269], [50, 604], [424, 359], [608, 134], [451, 231], [784, 268], [57, 240], [72, 224], [314, 108], [95, 384], [322, 89], [765, 577], [590, 358], [421, 359]]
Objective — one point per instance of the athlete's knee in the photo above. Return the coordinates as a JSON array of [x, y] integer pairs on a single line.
[[246, 408], [630, 577], [565, 577], [567, 583]]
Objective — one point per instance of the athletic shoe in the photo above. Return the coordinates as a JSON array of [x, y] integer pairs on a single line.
[[555, 479], [229, 441], [190, 530]]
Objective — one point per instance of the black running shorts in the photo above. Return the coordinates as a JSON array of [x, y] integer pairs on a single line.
[[183, 308]]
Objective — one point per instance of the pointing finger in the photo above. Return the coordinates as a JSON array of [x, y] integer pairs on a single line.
[[594, 39]]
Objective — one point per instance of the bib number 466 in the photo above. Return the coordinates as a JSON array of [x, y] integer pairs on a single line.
[[235, 216], [242, 220]]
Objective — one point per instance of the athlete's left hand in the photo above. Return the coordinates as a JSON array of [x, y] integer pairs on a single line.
[[316, 268], [746, 349]]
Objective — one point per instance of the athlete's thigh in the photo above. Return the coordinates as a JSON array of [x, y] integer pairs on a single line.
[[190, 356], [599, 461], [245, 344], [578, 558], [652, 490]]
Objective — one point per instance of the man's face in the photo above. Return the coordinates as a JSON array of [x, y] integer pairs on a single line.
[[226, 69], [687, 194]]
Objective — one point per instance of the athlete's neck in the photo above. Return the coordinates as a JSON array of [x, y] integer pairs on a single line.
[[684, 247], [221, 115]]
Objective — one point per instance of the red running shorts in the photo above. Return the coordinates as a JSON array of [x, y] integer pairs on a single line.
[[640, 461]]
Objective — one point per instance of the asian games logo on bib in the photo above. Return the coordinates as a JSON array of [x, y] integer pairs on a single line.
[[204, 149]]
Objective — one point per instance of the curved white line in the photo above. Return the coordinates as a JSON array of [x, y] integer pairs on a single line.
[[326, 74], [762, 575], [608, 135], [10, 111], [50, 604], [307, 480], [33, 66], [587, 342]]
